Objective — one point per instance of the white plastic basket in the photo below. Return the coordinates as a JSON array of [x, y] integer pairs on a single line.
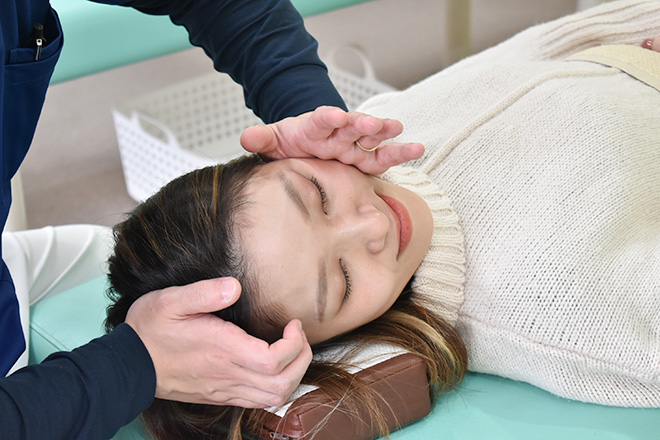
[[196, 123]]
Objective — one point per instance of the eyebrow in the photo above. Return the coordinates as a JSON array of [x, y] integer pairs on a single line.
[[294, 195], [323, 291]]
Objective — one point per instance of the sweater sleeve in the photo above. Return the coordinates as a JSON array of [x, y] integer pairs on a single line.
[[88, 393], [262, 45]]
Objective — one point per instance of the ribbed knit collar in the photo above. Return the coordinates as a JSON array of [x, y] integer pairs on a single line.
[[440, 278]]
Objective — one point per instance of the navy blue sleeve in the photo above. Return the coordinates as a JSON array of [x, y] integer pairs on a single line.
[[262, 45], [88, 393]]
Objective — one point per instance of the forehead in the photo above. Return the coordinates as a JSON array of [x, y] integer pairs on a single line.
[[269, 170], [280, 245]]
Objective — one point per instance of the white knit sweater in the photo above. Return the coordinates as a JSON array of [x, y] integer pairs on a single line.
[[553, 169]]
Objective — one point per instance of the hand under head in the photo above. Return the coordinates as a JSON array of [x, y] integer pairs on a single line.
[[237, 220]]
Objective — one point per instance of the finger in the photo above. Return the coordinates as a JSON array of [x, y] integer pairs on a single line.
[[263, 390], [249, 397], [256, 355], [358, 126], [202, 297], [389, 155], [259, 139], [324, 121], [275, 390], [293, 373], [246, 350], [243, 403], [285, 350], [652, 44], [286, 380], [245, 396], [390, 129]]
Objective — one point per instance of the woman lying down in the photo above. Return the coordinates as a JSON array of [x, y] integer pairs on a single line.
[[524, 243]]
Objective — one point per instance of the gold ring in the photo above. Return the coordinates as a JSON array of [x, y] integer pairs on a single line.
[[365, 149]]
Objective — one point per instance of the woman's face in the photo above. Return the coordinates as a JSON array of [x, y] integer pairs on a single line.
[[332, 246]]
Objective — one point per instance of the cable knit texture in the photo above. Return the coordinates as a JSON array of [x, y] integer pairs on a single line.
[[440, 278], [553, 168]]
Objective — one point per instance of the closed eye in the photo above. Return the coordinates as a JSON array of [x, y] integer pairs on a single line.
[[347, 278], [324, 197]]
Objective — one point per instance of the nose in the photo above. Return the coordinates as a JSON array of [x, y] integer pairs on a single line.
[[368, 226]]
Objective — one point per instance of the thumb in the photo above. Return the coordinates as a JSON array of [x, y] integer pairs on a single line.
[[208, 296], [258, 139]]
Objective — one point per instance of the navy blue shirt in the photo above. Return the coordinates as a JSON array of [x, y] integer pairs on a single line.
[[23, 84], [92, 391]]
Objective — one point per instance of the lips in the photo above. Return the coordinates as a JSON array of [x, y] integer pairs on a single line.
[[404, 223]]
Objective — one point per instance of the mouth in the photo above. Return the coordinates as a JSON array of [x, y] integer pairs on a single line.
[[404, 226]]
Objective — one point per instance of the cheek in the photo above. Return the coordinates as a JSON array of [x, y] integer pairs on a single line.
[[380, 299]]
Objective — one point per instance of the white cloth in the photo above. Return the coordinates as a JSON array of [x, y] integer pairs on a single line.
[[553, 168], [44, 262]]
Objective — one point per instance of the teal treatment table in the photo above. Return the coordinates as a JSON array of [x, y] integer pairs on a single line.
[[484, 407]]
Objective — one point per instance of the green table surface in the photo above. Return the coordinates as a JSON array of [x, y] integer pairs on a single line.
[[483, 408]]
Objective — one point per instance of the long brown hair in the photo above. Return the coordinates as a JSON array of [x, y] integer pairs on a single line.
[[188, 232]]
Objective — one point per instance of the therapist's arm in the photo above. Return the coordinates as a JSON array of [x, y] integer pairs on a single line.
[[264, 46], [170, 347], [88, 393]]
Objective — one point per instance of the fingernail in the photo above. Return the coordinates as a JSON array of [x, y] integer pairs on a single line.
[[648, 43], [227, 290]]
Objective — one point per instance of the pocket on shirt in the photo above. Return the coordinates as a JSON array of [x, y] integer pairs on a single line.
[[25, 81], [23, 67]]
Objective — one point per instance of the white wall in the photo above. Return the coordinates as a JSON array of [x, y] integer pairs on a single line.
[[407, 39]]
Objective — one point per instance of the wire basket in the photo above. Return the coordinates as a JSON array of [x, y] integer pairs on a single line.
[[198, 122]]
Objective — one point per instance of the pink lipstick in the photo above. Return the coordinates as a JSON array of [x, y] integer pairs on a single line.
[[403, 218]]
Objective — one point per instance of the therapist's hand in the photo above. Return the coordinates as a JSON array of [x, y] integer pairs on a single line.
[[330, 133], [200, 358]]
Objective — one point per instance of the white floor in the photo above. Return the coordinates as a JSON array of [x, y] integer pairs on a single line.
[[73, 172]]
